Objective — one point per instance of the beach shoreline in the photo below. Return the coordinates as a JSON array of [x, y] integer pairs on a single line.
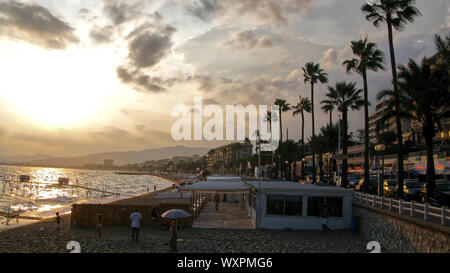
[[27, 220]]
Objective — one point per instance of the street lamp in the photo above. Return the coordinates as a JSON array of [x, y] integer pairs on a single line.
[[381, 148]]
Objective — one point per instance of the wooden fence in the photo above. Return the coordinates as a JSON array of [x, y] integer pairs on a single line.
[[412, 209], [85, 215]]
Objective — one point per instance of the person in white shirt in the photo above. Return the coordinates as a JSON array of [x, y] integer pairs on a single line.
[[136, 218]]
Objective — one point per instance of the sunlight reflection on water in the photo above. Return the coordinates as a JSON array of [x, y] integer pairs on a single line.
[[43, 193]]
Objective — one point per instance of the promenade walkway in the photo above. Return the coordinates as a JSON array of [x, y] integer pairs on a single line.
[[229, 216]]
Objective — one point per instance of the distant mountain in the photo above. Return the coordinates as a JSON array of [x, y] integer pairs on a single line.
[[120, 158], [23, 158]]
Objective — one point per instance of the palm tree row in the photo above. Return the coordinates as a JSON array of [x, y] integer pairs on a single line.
[[409, 86]]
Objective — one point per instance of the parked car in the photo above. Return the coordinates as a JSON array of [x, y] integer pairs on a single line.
[[373, 185], [352, 181], [442, 196], [412, 189]]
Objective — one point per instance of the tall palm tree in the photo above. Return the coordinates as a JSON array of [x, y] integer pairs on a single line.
[[368, 58], [396, 14], [346, 97], [426, 100], [314, 74], [328, 107], [283, 106], [303, 105]]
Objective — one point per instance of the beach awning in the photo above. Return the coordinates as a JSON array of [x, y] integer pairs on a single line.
[[216, 186]]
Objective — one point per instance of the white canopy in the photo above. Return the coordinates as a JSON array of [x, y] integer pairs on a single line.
[[216, 186]]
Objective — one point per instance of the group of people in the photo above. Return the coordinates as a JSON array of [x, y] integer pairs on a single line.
[[136, 220]]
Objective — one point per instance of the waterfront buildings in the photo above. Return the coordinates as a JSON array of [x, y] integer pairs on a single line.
[[227, 158]]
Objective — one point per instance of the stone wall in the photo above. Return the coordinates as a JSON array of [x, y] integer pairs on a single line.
[[398, 234]]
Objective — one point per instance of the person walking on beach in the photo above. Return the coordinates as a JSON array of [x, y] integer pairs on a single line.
[[135, 224], [173, 238], [217, 200], [99, 226], [58, 222], [326, 214]]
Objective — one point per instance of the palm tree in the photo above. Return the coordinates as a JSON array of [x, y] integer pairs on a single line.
[[368, 58], [396, 14], [328, 107], [283, 106], [426, 100], [303, 105], [346, 97], [314, 74]]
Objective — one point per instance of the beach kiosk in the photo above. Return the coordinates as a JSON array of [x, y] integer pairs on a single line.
[[288, 205], [280, 204]]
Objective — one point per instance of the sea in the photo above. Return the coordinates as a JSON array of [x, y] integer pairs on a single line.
[[43, 196]]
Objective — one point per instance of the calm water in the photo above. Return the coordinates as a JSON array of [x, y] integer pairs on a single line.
[[43, 196]]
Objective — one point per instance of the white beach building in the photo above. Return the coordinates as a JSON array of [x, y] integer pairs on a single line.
[[280, 204], [288, 205]]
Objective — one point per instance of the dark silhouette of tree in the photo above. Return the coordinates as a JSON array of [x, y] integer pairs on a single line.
[[313, 74], [368, 58], [396, 14], [346, 97]]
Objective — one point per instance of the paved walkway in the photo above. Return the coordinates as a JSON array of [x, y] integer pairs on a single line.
[[229, 216]]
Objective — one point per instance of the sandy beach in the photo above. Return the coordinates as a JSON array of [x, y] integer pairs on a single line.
[[42, 237]]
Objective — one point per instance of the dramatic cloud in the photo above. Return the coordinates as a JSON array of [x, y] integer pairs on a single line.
[[147, 49], [36, 25], [102, 35], [266, 10], [140, 82], [120, 11], [247, 39]]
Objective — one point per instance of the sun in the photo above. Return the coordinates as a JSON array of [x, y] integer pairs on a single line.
[[55, 87]]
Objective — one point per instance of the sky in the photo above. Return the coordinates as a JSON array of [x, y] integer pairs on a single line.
[[85, 76]]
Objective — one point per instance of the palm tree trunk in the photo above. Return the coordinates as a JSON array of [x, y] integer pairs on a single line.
[[397, 111], [431, 173], [303, 134], [344, 150], [366, 134], [280, 160], [303, 145], [313, 134], [331, 118]]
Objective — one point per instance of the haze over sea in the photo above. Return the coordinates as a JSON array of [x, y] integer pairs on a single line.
[[43, 196]]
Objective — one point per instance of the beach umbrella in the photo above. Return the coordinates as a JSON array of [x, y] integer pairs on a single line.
[[175, 214]]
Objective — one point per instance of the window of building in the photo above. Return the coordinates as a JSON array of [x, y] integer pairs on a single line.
[[284, 205], [275, 205], [293, 206], [335, 204], [316, 206]]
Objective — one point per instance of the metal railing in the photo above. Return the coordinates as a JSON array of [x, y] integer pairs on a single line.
[[413, 209]]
